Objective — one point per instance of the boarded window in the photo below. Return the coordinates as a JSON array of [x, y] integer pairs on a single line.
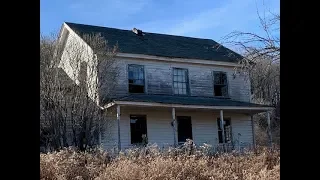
[[220, 84], [184, 128], [227, 130], [136, 78], [138, 128], [180, 81]]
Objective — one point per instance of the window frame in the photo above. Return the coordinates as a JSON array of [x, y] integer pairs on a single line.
[[187, 82], [227, 84], [130, 117], [144, 78]]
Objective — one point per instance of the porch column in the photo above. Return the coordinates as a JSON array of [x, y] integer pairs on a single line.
[[174, 126], [118, 121], [269, 129], [99, 128], [222, 125], [253, 133]]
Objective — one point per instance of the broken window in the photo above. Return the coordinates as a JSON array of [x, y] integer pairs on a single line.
[[184, 128], [138, 127], [180, 81], [227, 130], [136, 78], [220, 84]]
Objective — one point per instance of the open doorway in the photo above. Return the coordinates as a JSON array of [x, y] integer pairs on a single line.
[[184, 128]]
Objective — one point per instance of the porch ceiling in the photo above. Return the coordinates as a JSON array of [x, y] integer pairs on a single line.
[[190, 102]]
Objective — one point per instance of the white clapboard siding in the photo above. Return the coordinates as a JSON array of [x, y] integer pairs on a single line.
[[159, 130]]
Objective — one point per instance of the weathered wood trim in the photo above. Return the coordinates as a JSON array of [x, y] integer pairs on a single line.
[[174, 127], [150, 104], [145, 80], [222, 126], [118, 121], [269, 129], [172, 79], [109, 105], [253, 133], [181, 60]]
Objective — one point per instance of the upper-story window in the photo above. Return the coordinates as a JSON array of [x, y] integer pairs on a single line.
[[136, 78], [220, 85], [180, 81]]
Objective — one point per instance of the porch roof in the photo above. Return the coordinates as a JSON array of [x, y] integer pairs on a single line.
[[187, 102]]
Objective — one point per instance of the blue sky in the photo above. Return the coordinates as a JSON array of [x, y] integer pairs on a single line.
[[211, 19]]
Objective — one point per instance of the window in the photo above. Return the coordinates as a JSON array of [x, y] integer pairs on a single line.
[[180, 81], [138, 128], [227, 130], [136, 78], [220, 84], [184, 128]]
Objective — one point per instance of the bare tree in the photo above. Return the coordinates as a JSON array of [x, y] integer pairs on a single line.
[[261, 60], [75, 80], [261, 63], [255, 46]]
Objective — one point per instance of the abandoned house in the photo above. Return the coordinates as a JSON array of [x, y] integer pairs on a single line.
[[169, 89]]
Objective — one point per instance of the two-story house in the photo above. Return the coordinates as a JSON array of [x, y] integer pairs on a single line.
[[172, 88]]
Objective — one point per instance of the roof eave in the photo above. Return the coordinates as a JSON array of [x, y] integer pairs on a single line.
[[179, 60], [154, 104]]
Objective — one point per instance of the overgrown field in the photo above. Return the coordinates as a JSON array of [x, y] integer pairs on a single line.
[[151, 163]]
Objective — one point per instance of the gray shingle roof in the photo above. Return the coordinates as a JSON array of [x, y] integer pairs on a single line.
[[160, 44], [187, 100]]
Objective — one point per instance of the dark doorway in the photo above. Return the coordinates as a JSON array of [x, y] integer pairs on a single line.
[[184, 128], [138, 127]]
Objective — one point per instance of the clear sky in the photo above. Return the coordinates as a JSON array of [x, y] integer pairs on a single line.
[[211, 19]]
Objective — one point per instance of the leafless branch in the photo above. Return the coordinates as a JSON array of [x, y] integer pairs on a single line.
[[72, 87]]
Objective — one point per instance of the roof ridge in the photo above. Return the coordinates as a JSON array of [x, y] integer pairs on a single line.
[[100, 26]]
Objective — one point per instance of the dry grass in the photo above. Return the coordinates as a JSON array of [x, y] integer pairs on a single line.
[[150, 163]]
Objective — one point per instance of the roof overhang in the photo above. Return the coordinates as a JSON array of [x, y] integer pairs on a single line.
[[177, 60], [153, 104]]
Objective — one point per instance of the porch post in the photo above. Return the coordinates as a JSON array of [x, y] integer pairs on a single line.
[[118, 121], [99, 128], [174, 126], [269, 129], [253, 133], [222, 125]]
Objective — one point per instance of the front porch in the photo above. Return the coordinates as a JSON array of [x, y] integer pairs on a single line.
[[170, 124]]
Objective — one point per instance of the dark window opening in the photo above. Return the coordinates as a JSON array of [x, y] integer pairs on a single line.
[[180, 81], [136, 78], [138, 127], [227, 130], [220, 84], [184, 128]]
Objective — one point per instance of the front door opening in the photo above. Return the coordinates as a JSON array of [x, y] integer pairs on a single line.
[[138, 127], [184, 128]]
